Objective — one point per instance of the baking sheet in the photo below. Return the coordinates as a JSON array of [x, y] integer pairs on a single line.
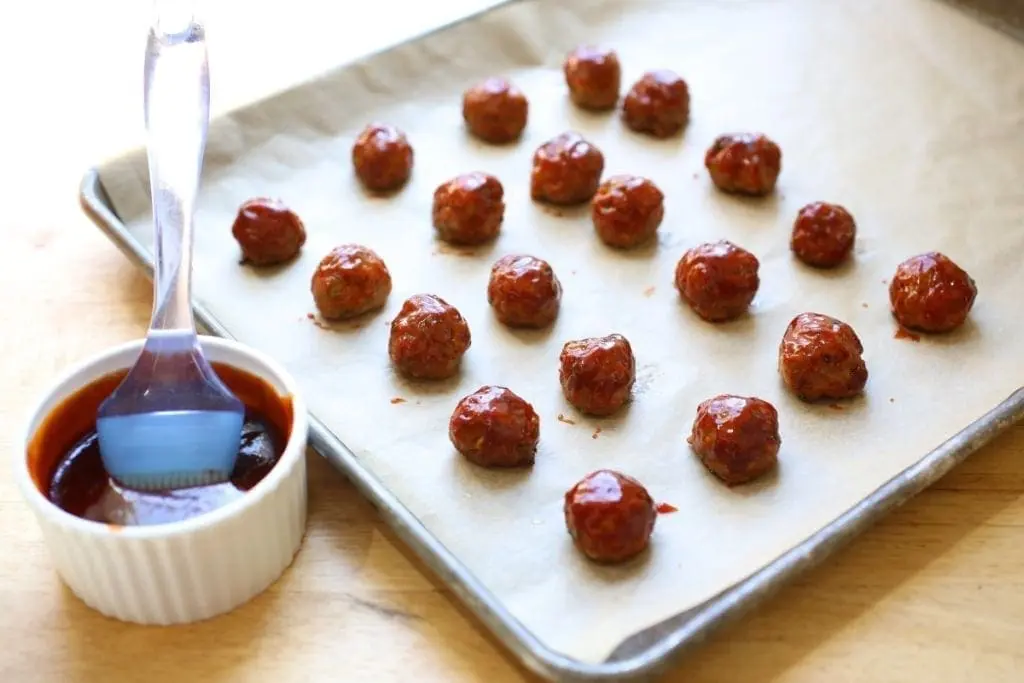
[[908, 113]]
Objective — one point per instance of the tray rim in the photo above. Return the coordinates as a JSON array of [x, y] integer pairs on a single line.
[[644, 655]]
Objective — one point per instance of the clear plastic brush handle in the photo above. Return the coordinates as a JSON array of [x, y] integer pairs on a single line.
[[177, 111]]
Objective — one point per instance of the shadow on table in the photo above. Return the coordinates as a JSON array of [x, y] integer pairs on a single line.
[[211, 651]]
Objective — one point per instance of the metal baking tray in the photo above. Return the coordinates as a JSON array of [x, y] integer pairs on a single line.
[[645, 654]]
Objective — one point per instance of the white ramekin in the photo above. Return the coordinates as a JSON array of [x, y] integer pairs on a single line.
[[184, 571]]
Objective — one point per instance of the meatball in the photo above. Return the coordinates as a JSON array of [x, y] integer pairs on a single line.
[[493, 427], [428, 338], [718, 280], [658, 104], [597, 374], [736, 437], [594, 77], [349, 281], [823, 234], [566, 170], [524, 291], [610, 516], [744, 163], [495, 111], [469, 209], [627, 211], [930, 293], [382, 157], [820, 358], [268, 232]]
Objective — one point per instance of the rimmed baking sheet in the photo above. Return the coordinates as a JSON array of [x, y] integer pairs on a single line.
[[916, 130]]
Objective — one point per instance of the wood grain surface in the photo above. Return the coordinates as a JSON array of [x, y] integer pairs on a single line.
[[935, 593]]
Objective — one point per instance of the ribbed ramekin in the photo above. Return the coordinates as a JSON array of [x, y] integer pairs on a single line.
[[184, 571]]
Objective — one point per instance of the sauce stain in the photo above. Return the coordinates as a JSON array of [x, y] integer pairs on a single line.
[[397, 400], [564, 419], [311, 316], [666, 508], [904, 333], [836, 406]]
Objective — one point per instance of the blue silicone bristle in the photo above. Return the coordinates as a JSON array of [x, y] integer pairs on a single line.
[[170, 449]]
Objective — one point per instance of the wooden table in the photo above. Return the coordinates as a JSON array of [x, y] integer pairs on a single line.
[[936, 593]]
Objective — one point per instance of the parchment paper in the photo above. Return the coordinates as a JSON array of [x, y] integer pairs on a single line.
[[908, 113]]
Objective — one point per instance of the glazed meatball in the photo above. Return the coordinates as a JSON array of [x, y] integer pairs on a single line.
[[469, 209], [349, 281], [820, 358], [610, 516], [823, 234], [597, 374], [930, 293], [493, 427], [627, 211], [736, 437], [268, 232], [382, 157], [524, 291], [744, 163], [594, 77], [566, 170], [718, 280], [495, 111], [658, 104], [428, 338]]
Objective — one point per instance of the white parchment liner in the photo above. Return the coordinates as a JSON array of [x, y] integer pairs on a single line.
[[908, 113]]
